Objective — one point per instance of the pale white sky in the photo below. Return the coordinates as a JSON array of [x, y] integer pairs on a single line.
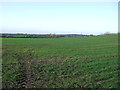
[[59, 17], [59, 0]]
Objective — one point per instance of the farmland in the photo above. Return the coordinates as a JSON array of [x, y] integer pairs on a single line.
[[66, 62]]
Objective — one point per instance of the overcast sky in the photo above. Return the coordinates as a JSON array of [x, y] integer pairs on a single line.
[[59, 17]]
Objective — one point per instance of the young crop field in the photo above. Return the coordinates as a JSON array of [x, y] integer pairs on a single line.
[[66, 62]]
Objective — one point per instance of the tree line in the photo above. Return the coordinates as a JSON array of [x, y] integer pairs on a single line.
[[41, 35]]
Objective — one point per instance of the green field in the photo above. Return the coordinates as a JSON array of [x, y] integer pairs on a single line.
[[68, 62]]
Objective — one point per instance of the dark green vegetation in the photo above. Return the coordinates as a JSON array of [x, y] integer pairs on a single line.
[[74, 62], [40, 35]]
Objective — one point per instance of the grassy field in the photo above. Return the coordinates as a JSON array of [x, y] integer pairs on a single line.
[[69, 62]]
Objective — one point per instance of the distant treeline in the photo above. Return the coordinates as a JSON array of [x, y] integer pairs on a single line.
[[41, 35]]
